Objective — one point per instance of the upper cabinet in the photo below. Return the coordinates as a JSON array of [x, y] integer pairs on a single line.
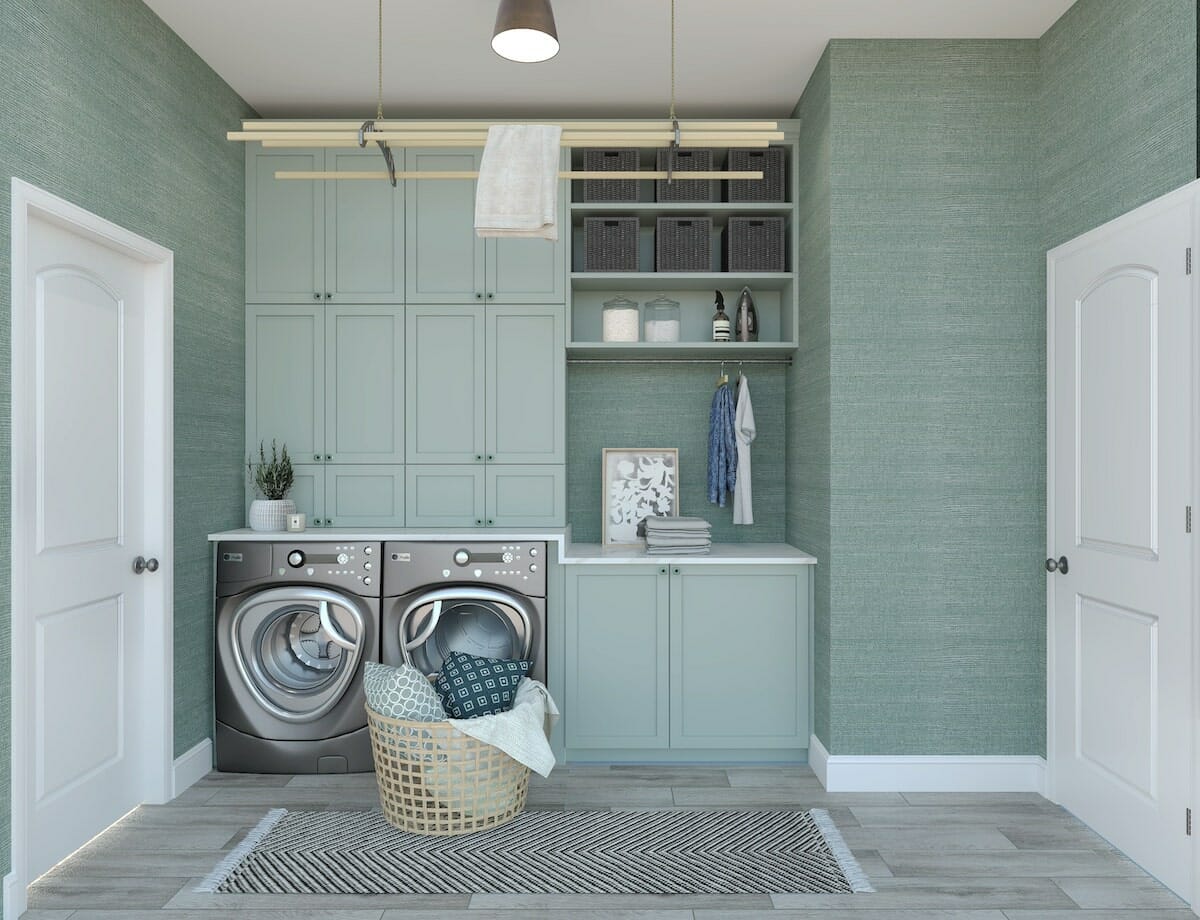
[[310, 241], [448, 263]]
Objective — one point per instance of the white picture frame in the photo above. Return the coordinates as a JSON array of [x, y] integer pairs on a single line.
[[638, 482]]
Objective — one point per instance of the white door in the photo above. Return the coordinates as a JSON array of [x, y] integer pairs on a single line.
[[91, 670], [1120, 630]]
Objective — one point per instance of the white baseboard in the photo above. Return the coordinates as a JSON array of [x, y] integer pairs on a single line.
[[818, 759], [937, 773], [14, 897], [191, 766]]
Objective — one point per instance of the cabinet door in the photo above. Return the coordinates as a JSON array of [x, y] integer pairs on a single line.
[[444, 384], [444, 496], [285, 379], [528, 270], [739, 657], [533, 495], [526, 384], [617, 657], [445, 261], [308, 492], [285, 227], [364, 495], [364, 232], [364, 384]]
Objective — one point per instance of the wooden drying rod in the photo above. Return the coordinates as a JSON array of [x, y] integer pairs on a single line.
[[564, 174]]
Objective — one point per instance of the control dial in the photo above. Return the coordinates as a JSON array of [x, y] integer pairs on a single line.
[[462, 557], [295, 559], [343, 558], [507, 558]]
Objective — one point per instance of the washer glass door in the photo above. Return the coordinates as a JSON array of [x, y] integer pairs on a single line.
[[489, 624], [297, 649]]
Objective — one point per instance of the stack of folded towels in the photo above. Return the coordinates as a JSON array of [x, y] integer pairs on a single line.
[[678, 536]]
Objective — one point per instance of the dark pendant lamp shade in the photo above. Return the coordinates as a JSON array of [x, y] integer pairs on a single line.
[[525, 31]]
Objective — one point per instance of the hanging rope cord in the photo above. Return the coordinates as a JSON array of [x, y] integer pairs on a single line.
[[379, 109], [671, 114]]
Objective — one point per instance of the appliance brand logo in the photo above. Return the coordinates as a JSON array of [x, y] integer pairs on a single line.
[[401, 557], [231, 557]]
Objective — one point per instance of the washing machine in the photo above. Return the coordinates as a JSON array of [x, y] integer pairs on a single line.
[[485, 599], [296, 623]]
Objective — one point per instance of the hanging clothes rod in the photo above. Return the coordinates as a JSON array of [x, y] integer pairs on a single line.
[[783, 360]]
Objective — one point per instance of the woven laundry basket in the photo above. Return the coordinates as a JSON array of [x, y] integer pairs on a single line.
[[435, 780]]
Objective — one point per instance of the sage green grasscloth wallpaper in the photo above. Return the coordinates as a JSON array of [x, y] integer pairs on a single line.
[[627, 405], [950, 167], [808, 395], [102, 104]]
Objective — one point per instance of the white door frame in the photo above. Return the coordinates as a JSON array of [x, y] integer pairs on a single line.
[[1189, 192], [28, 202]]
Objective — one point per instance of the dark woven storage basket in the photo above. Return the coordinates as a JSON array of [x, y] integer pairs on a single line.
[[755, 244], [610, 244], [616, 160], [696, 159], [770, 162], [683, 244]]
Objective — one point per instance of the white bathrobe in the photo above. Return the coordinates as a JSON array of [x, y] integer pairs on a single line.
[[744, 431]]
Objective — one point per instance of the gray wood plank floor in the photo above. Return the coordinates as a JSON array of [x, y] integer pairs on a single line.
[[930, 856]]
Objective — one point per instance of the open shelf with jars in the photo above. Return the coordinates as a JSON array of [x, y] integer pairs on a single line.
[[639, 280]]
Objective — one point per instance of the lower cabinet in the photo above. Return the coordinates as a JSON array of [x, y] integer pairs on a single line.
[[350, 494], [486, 495], [699, 657]]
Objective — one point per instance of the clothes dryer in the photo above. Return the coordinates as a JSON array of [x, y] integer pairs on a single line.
[[485, 599], [296, 623]]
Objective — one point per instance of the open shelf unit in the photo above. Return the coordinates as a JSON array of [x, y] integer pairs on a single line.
[[775, 293]]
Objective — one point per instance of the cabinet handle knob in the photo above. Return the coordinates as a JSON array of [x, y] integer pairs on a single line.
[[490, 295], [328, 522], [490, 522], [662, 571], [478, 522], [491, 456], [316, 295], [676, 571], [329, 456], [317, 457], [478, 296], [479, 456], [328, 296]]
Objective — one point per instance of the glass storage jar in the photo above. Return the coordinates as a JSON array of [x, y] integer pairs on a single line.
[[661, 320], [620, 320]]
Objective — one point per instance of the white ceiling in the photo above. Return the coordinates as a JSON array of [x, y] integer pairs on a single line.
[[735, 59]]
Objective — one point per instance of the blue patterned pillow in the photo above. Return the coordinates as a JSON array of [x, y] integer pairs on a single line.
[[471, 686], [401, 693]]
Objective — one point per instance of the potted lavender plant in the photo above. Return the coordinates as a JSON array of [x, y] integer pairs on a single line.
[[272, 478]]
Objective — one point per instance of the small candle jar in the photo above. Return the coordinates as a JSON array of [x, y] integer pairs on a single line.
[[620, 320], [661, 320]]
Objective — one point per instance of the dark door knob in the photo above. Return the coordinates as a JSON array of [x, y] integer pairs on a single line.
[[141, 564], [1057, 565]]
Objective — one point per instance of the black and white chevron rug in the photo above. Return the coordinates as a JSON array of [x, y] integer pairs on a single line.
[[546, 852]]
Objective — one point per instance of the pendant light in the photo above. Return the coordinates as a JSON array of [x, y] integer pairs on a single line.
[[525, 31]]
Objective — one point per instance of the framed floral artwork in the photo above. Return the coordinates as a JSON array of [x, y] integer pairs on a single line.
[[638, 483]]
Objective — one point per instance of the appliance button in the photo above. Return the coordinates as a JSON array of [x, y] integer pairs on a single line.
[[478, 573], [366, 550], [462, 557], [295, 559], [310, 570], [445, 573], [343, 558], [366, 579], [533, 566], [366, 566], [507, 557], [533, 550]]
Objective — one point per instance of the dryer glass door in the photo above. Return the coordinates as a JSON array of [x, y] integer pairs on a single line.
[[486, 623], [297, 649]]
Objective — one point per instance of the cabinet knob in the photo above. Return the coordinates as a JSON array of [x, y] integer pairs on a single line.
[[329, 456], [490, 522], [328, 296], [478, 295], [478, 457], [675, 571], [491, 457], [316, 295], [662, 571], [317, 457], [490, 295], [478, 522]]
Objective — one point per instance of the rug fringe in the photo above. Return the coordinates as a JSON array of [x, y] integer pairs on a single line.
[[211, 882], [859, 882]]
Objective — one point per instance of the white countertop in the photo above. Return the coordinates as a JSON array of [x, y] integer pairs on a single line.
[[721, 554], [569, 553]]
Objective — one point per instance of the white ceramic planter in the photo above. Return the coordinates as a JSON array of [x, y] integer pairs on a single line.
[[270, 516]]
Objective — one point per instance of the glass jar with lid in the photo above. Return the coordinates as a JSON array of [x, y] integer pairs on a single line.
[[661, 320], [619, 320]]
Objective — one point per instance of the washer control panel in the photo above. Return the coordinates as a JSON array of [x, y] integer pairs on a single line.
[[347, 565], [516, 565]]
